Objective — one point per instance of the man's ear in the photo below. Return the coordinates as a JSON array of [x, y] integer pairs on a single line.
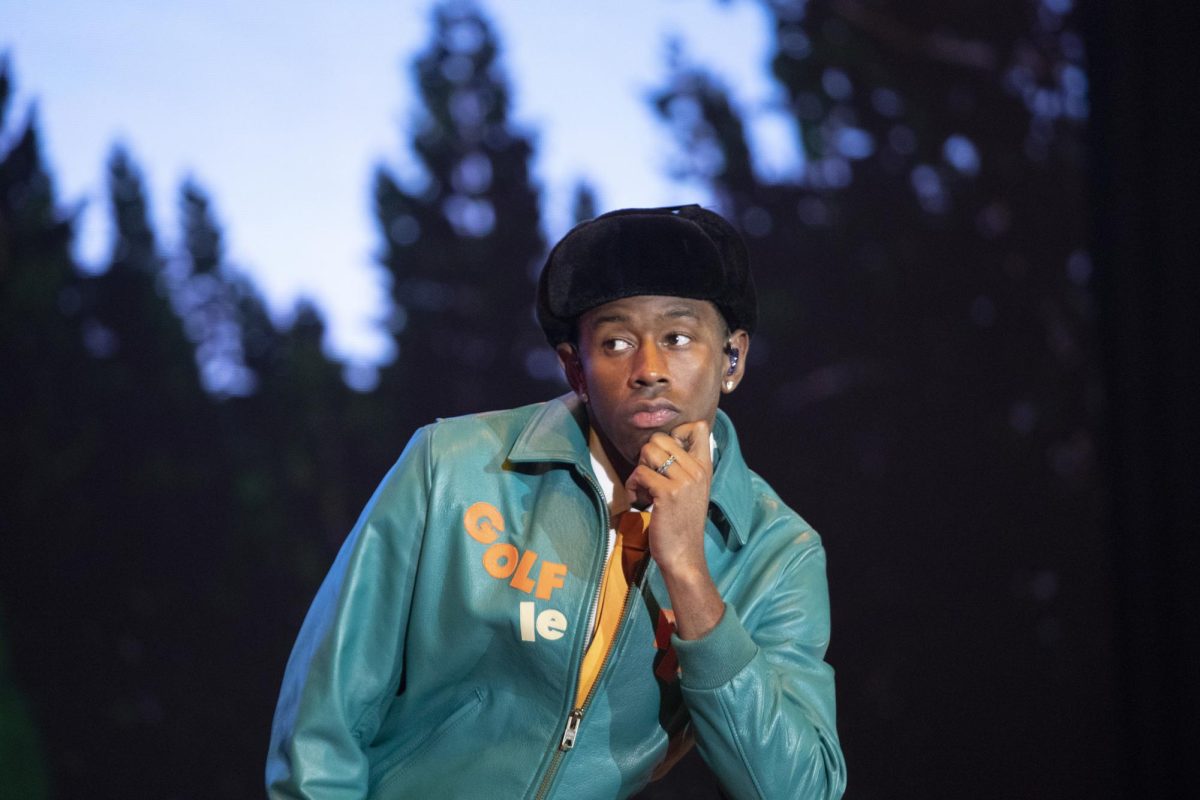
[[572, 367], [739, 343]]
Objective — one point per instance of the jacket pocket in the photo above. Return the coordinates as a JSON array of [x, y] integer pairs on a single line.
[[393, 767]]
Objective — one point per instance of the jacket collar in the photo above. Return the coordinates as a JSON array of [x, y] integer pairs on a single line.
[[557, 432]]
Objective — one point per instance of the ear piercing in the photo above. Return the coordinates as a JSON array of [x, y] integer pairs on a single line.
[[729, 386], [733, 358]]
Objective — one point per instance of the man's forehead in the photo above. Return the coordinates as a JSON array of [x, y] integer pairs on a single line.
[[651, 308]]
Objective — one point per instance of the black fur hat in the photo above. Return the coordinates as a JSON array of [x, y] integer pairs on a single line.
[[681, 251]]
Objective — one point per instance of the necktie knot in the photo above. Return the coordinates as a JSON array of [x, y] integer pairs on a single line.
[[632, 539]]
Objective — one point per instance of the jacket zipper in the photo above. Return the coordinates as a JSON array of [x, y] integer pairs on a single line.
[[571, 730]]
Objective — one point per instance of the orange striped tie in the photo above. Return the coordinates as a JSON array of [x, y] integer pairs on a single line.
[[627, 556]]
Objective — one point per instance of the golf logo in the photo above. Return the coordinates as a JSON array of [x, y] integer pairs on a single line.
[[529, 573], [524, 571]]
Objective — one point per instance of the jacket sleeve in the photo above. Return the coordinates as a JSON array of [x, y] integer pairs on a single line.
[[346, 663], [762, 703]]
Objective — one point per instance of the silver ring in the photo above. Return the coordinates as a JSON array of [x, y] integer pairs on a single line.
[[666, 465]]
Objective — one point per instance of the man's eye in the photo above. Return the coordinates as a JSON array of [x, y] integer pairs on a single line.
[[617, 345], [678, 339]]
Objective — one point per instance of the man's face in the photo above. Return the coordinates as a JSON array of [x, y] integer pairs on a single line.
[[650, 363]]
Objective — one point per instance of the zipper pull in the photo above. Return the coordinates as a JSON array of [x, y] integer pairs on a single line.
[[568, 740]]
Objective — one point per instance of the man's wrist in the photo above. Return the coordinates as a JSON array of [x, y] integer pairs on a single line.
[[695, 600], [713, 660]]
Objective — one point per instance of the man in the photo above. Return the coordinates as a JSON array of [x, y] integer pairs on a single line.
[[494, 625]]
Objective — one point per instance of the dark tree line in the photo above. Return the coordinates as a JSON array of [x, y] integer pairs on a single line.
[[928, 335], [179, 470]]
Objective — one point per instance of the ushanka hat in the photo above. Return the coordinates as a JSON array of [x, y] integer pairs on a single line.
[[681, 251]]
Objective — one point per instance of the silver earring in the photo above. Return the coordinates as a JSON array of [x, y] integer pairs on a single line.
[[729, 386]]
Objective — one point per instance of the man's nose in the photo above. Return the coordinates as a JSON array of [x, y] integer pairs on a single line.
[[650, 366]]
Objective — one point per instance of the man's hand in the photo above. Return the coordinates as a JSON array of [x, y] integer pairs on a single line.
[[679, 494], [680, 497]]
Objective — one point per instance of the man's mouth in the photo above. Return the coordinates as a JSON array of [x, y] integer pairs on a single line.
[[654, 415]]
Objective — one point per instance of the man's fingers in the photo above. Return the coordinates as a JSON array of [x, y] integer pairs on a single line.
[[693, 438], [664, 449], [644, 484], [654, 454]]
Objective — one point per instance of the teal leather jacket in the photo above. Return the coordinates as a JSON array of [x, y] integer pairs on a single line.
[[440, 656]]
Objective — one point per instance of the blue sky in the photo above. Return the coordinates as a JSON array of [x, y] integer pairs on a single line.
[[281, 110]]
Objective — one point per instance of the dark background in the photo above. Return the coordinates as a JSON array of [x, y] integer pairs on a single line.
[[975, 376]]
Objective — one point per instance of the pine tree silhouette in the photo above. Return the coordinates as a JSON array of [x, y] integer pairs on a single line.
[[39, 344], [208, 299], [462, 246]]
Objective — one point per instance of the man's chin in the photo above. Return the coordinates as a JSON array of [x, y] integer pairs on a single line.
[[639, 441], [629, 448]]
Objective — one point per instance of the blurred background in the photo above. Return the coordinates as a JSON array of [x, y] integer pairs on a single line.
[[972, 230]]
